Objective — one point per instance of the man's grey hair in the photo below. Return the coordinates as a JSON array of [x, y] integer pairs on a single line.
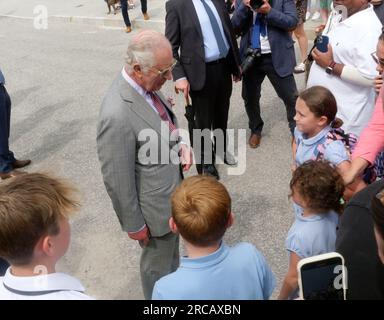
[[142, 47]]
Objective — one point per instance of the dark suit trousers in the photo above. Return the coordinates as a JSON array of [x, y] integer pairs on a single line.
[[124, 10], [6, 156], [251, 92], [211, 105]]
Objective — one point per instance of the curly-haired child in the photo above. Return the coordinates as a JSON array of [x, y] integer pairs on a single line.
[[316, 190]]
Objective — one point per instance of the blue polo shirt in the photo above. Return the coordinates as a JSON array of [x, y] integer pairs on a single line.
[[335, 152], [230, 273]]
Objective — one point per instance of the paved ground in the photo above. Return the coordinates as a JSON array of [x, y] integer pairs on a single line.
[[95, 12], [57, 79]]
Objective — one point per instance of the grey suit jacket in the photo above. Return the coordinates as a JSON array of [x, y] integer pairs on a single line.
[[140, 192]]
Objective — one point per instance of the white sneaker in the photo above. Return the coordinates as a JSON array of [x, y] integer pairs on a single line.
[[300, 68], [316, 15], [307, 15]]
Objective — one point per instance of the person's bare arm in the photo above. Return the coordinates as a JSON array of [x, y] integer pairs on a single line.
[[290, 281]]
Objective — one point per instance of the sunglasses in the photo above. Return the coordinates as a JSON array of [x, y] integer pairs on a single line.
[[377, 59], [165, 72]]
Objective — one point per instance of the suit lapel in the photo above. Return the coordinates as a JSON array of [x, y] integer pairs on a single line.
[[189, 7]]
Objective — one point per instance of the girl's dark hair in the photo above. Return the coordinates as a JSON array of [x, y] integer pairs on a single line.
[[377, 209], [321, 102], [320, 185]]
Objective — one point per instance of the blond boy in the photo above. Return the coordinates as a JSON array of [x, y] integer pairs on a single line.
[[34, 235], [201, 213]]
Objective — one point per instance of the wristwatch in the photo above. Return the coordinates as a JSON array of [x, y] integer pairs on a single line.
[[329, 69]]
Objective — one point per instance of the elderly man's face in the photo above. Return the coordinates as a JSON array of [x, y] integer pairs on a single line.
[[156, 76], [352, 6]]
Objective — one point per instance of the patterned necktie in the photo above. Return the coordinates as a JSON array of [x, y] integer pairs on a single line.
[[258, 29], [216, 30], [162, 111]]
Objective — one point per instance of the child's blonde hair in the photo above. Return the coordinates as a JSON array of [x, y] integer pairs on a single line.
[[320, 185], [31, 206], [201, 207]]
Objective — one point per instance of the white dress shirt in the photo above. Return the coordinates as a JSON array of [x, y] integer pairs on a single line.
[[352, 40]]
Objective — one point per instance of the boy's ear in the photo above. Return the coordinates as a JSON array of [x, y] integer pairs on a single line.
[[231, 219], [47, 246], [173, 226]]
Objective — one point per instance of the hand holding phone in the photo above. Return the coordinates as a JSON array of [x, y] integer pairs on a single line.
[[322, 43], [322, 277]]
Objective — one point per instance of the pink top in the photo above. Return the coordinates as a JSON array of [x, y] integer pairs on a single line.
[[371, 140]]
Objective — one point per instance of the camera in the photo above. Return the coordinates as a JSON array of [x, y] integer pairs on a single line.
[[256, 4], [251, 55]]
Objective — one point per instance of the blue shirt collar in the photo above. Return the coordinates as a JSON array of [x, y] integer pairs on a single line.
[[315, 139], [206, 261]]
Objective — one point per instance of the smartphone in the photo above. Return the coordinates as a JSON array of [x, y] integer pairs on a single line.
[[322, 277], [322, 43]]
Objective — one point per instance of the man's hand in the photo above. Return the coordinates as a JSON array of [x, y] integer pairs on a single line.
[[186, 156], [142, 236], [378, 83], [182, 85], [265, 8], [247, 3], [323, 59]]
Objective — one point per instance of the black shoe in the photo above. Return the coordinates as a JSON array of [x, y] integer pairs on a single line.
[[20, 164], [210, 170]]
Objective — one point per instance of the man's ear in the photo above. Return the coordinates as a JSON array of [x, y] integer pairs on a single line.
[[173, 226], [137, 69], [231, 219]]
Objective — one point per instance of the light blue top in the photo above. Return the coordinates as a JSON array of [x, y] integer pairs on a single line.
[[230, 273], [211, 48], [335, 152], [313, 235], [2, 79]]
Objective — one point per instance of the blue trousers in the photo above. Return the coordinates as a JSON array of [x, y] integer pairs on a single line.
[[6, 156], [124, 10]]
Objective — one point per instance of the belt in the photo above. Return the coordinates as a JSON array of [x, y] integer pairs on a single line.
[[216, 61]]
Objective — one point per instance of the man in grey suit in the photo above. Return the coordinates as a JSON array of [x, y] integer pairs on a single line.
[[140, 174], [267, 46]]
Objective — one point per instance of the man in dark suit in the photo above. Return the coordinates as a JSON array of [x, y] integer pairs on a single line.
[[206, 51], [267, 32], [8, 163]]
